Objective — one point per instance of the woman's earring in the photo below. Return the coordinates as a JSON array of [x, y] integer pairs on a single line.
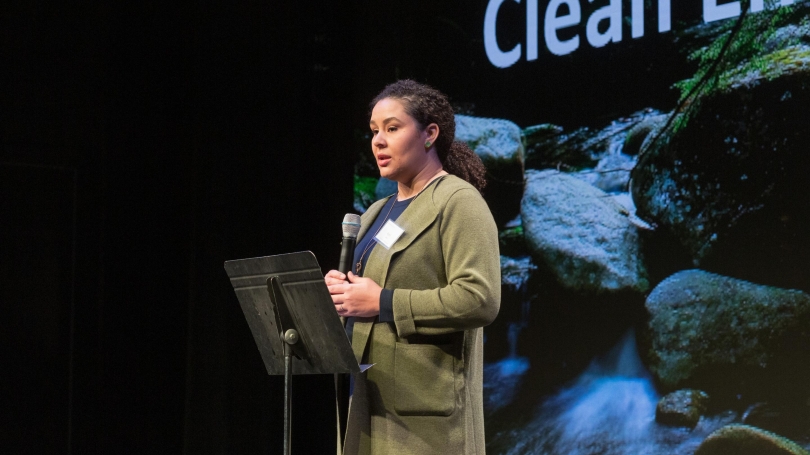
[[427, 144]]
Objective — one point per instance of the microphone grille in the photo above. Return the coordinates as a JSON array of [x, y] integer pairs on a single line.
[[351, 225]]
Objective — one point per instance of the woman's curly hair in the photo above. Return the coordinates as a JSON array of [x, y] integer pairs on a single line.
[[427, 105]]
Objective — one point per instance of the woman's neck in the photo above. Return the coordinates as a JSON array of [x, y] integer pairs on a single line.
[[423, 179]]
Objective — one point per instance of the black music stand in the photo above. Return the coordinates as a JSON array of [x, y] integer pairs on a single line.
[[292, 318]]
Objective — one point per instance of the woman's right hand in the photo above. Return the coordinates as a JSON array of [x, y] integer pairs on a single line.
[[334, 277]]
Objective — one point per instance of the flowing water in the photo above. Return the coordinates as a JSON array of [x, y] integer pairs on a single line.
[[608, 410]]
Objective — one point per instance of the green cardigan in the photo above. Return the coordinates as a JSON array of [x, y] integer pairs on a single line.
[[424, 392]]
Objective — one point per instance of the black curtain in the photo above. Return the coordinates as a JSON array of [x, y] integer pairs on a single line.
[[142, 146]]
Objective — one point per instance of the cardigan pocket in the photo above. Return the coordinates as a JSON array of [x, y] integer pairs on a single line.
[[424, 380]]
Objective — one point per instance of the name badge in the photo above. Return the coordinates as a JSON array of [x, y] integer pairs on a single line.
[[389, 234]]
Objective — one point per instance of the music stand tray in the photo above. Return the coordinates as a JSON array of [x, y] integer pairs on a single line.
[[293, 320]]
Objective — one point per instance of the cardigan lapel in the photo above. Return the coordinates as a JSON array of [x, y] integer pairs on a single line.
[[419, 215], [362, 326]]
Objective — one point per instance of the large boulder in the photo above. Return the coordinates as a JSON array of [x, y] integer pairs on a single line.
[[718, 334], [498, 143], [746, 440], [728, 185], [581, 234]]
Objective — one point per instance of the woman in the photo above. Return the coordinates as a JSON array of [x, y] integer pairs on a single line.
[[427, 279]]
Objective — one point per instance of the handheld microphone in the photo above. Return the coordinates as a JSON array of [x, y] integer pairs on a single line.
[[351, 227]]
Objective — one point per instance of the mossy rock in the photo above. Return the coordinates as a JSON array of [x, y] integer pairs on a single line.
[[682, 408], [718, 333], [747, 440], [729, 188]]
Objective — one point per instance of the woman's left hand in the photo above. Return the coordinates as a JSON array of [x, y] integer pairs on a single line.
[[359, 297]]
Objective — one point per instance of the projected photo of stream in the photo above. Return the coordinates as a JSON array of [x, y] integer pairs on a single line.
[[655, 264]]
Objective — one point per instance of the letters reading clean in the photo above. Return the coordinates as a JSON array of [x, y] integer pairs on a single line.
[[562, 14]]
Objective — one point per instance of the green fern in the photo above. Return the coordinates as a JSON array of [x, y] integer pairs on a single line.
[[721, 63], [364, 190]]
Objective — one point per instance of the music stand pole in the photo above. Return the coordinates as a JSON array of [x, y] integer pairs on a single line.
[[290, 338]]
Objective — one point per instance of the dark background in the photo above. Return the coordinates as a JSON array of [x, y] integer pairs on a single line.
[[142, 145]]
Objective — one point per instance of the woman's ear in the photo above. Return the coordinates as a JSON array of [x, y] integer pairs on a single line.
[[432, 131]]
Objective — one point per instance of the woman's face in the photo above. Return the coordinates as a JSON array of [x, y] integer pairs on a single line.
[[398, 141]]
